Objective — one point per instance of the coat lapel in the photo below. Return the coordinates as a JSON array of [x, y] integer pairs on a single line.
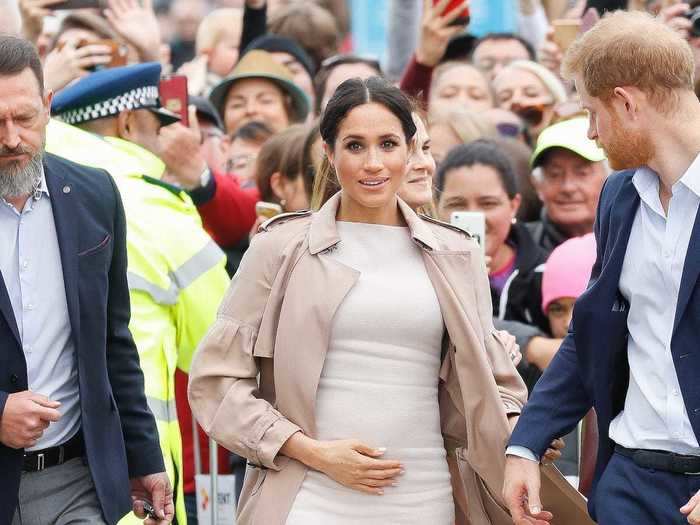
[[691, 271], [65, 210], [6, 310], [624, 209]]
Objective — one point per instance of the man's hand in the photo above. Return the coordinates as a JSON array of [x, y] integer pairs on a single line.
[[156, 489], [180, 150], [521, 492], [436, 31], [137, 24], [25, 417], [692, 509]]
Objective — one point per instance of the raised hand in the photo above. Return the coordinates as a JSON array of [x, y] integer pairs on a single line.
[[436, 31], [137, 24]]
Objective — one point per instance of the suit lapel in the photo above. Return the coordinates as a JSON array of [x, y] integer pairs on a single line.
[[624, 209], [6, 310], [65, 211], [691, 271]]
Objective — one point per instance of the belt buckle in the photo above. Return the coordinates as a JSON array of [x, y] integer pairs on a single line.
[[40, 462]]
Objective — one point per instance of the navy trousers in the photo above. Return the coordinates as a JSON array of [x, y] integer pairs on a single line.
[[628, 494]]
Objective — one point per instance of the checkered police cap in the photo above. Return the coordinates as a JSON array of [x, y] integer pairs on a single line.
[[139, 98], [108, 92]]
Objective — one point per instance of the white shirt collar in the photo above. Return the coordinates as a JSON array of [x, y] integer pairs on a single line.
[[646, 181]]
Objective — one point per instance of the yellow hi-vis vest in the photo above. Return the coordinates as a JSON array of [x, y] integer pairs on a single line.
[[175, 271]]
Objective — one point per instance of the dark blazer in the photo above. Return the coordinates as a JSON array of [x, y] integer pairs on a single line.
[[119, 431], [591, 367]]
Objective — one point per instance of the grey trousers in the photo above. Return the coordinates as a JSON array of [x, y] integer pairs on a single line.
[[60, 495]]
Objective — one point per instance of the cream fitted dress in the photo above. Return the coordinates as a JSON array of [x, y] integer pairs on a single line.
[[379, 385]]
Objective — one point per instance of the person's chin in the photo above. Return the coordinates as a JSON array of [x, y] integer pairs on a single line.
[[568, 216]]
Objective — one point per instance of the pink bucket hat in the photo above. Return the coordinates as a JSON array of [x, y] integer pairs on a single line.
[[568, 269]]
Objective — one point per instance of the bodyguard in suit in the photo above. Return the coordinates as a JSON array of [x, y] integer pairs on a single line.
[[77, 441], [633, 349]]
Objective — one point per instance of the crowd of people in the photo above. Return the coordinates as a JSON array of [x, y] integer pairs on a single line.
[[285, 143]]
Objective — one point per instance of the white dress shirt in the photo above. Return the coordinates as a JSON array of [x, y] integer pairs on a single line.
[[30, 263], [654, 416]]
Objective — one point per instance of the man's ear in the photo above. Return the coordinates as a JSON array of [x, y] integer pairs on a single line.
[[625, 101], [124, 125]]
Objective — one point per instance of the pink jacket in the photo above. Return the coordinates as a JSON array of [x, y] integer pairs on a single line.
[[254, 378]]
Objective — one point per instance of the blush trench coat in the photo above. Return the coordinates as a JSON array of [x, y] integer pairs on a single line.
[[254, 378]]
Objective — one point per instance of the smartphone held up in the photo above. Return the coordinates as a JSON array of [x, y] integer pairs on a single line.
[[462, 19]]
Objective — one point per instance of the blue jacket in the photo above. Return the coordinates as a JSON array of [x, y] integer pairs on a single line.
[[591, 367], [119, 431]]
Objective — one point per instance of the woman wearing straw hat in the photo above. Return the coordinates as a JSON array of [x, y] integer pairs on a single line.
[[259, 89]]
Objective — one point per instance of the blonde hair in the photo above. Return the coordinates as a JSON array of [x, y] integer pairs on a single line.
[[467, 126], [325, 184], [632, 49], [216, 25], [548, 79]]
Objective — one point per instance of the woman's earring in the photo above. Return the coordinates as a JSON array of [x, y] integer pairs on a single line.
[[514, 220], [283, 203]]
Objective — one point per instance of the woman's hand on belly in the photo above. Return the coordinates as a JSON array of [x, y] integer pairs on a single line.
[[348, 462]]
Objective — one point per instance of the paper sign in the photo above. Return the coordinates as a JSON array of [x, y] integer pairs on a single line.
[[227, 499]]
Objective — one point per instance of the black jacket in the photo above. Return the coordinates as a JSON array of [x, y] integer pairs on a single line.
[[545, 233], [119, 431], [521, 298]]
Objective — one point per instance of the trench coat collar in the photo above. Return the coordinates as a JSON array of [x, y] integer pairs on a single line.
[[323, 233]]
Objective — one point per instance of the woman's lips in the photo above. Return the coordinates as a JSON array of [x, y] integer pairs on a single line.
[[375, 182]]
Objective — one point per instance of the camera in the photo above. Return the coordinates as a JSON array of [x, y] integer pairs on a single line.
[[694, 16]]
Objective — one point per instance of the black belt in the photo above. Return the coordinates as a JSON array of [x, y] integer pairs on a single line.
[[662, 460], [38, 460]]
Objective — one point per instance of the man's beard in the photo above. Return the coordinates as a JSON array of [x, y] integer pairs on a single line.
[[17, 180], [628, 150]]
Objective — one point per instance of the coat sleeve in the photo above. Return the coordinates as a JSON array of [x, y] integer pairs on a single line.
[[223, 389], [501, 348], [227, 210], [143, 451], [560, 399]]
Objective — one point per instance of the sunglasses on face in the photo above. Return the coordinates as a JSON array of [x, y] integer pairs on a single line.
[[531, 115]]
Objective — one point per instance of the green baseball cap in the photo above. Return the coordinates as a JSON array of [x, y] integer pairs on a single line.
[[569, 134]]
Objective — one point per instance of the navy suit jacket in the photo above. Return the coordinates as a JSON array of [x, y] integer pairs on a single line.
[[120, 434], [591, 367]]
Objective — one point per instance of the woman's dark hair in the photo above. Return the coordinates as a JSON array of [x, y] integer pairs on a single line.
[[349, 95], [485, 152], [16, 55]]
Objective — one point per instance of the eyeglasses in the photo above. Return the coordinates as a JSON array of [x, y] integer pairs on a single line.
[[339, 60], [238, 163]]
